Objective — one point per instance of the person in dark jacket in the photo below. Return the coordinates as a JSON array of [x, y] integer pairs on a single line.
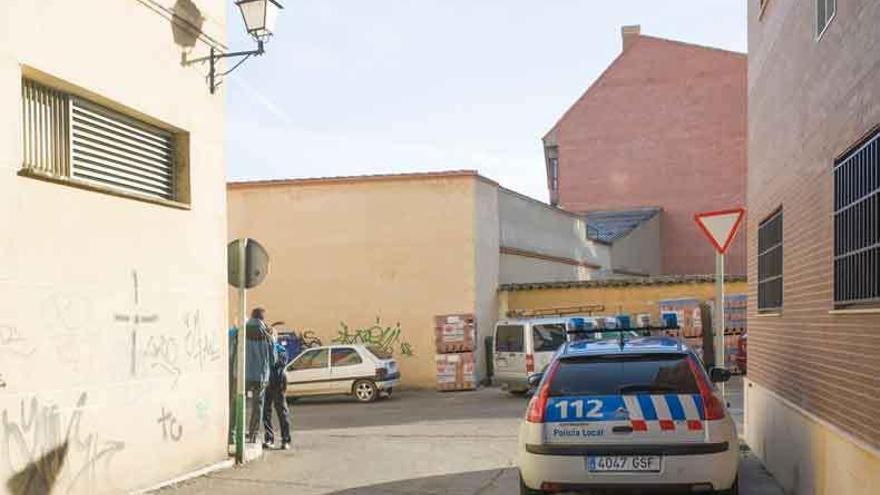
[[275, 399], [259, 359]]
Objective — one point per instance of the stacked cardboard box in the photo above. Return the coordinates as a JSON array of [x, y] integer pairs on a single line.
[[455, 340]]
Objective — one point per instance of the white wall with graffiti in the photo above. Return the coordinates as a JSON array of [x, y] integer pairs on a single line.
[[112, 310]]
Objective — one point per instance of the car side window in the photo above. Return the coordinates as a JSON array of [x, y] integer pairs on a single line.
[[509, 338], [313, 359], [345, 356], [547, 338]]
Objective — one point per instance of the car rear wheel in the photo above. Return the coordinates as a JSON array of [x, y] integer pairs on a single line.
[[365, 391], [524, 490]]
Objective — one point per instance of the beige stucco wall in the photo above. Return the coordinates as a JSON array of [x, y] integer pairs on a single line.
[[397, 249], [639, 251], [77, 262], [545, 243], [804, 453]]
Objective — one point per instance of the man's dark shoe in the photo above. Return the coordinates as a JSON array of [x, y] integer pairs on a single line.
[[285, 446], [267, 445]]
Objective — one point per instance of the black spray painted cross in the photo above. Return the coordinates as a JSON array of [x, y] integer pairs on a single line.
[[135, 318]]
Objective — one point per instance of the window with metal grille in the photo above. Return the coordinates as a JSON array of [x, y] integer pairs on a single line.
[[857, 225], [825, 10], [770, 263], [69, 138]]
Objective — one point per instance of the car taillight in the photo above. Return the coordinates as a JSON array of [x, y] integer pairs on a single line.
[[713, 408], [530, 363], [538, 403]]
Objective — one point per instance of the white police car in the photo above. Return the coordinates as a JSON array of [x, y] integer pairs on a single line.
[[630, 413]]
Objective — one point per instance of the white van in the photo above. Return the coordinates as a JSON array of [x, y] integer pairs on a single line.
[[524, 346]]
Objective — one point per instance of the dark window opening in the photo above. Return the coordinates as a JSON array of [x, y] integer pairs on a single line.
[[509, 338], [770, 263]]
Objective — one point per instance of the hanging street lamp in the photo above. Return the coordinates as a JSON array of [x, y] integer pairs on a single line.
[[259, 19]]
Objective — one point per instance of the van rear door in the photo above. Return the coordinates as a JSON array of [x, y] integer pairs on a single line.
[[510, 356]]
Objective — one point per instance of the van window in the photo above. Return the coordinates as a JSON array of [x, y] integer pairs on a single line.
[[548, 338], [625, 375], [509, 338]]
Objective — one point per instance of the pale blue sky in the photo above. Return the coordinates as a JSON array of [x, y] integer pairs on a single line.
[[351, 87]]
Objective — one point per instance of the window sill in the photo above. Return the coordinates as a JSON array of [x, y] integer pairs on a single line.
[[89, 186], [769, 314], [855, 311]]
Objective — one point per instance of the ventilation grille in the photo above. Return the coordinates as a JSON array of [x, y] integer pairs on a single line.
[[44, 129], [117, 151]]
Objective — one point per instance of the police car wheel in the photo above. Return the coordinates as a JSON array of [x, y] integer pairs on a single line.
[[524, 490], [365, 391]]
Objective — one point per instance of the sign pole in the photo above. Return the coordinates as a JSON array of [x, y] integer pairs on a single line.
[[240, 345], [720, 227], [720, 353]]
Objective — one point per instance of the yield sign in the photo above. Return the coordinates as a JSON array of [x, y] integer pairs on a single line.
[[720, 226]]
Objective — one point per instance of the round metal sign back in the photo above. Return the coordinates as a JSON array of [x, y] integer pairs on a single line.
[[255, 264]]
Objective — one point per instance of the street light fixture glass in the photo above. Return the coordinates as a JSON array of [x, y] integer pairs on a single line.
[[259, 17]]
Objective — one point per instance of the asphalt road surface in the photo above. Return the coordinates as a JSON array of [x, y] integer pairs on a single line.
[[419, 442]]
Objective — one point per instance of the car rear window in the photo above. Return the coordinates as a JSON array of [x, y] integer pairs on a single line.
[[379, 352], [548, 337], [509, 338], [624, 375]]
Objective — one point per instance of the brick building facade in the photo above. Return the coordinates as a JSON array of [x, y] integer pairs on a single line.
[[664, 126], [813, 390]]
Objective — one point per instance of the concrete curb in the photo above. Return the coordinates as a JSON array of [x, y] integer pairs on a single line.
[[228, 463]]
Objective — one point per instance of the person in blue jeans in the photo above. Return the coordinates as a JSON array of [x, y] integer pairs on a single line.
[[259, 359], [275, 398]]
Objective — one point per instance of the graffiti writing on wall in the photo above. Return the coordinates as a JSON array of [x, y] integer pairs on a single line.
[[134, 318], [199, 345], [308, 339], [161, 353], [168, 352], [202, 410], [37, 443], [388, 338], [171, 428], [12, 341]]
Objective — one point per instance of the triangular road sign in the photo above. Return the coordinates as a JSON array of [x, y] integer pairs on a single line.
[[720, 226]]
